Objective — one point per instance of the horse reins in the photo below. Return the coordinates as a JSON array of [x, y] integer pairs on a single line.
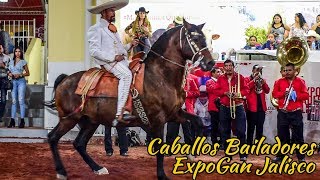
[[161, 56], [193, 46]]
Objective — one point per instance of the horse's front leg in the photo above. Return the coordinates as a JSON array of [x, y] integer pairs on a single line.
[[158, 133], [80, 144]]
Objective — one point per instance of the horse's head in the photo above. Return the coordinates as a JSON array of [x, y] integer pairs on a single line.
[[194, 46]]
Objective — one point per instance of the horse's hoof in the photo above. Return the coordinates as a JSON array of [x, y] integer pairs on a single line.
[[62, 177], [191, 158], [102, 171]]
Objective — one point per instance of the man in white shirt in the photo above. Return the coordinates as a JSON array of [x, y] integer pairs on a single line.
[[106, 48]]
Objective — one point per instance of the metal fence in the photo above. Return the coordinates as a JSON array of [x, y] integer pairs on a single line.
[[21, 31]]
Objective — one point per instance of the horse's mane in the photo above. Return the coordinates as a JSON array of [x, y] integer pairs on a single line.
[[162, 42]]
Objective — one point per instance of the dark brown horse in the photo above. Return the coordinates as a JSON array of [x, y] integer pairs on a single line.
[[162, 97]]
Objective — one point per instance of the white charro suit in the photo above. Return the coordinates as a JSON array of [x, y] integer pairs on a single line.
[[104, 45]]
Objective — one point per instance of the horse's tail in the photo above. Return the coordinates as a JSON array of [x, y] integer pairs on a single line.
[[52, 103], [59, 79]]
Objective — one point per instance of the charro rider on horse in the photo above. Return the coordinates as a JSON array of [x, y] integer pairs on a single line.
[[108, 51]]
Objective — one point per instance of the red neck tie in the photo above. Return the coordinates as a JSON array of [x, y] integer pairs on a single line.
[[112, 28]]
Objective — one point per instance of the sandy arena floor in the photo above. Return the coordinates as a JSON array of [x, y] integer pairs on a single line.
[[34, 161]]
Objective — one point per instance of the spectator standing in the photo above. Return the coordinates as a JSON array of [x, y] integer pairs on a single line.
[[18, 70], [4, 60], [5, 40], [316, 26], [201, 109], [299, 28], [123, 141], [278, 28]]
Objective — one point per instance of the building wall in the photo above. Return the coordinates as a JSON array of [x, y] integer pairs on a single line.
[[66, 29], [66, 37], [66, 44]]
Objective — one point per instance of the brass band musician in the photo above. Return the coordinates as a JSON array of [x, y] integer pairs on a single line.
[[231, 89], [256, 103], [291, 92]]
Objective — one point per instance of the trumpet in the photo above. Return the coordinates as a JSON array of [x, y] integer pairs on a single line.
[[235, 93], [259, 80]]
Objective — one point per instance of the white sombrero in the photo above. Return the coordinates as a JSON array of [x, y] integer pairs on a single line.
[[314, 34], [115, 4]]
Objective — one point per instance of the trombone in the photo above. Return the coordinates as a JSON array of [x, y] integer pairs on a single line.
[[235, 93]]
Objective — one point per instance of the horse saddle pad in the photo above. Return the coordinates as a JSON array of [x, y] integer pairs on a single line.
[[98, 82]]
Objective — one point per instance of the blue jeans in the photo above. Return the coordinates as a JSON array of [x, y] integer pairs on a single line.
[[18, 94], [146, 47], [225, 122]]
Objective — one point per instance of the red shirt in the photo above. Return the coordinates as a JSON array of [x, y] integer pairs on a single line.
[[252, 99], [211, 86], [298, 85], [192, 92], [223, 86], [198, 72]]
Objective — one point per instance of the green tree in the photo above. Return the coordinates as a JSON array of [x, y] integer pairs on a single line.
[[259, 32]]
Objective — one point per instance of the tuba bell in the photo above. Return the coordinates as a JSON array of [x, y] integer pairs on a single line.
[[293, 50]]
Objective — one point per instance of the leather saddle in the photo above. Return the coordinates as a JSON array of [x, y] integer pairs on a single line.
[[98, 82]]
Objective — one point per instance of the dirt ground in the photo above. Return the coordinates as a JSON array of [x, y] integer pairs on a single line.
[[34, 161]]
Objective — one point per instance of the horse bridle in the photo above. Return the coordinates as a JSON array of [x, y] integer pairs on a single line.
[[195, 50], [193, 46]]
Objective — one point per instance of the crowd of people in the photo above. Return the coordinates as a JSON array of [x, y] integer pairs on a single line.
[[226, 101], [237, 105], [278, 31], [13, 72]]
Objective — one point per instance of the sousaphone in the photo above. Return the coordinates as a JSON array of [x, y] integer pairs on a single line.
[[293, 50]]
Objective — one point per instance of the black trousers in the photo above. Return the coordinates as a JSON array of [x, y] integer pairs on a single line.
[[255, 121], [123, 139], [215, 126], [173, 132], [241, 125], [3, 101], [293, 119]]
